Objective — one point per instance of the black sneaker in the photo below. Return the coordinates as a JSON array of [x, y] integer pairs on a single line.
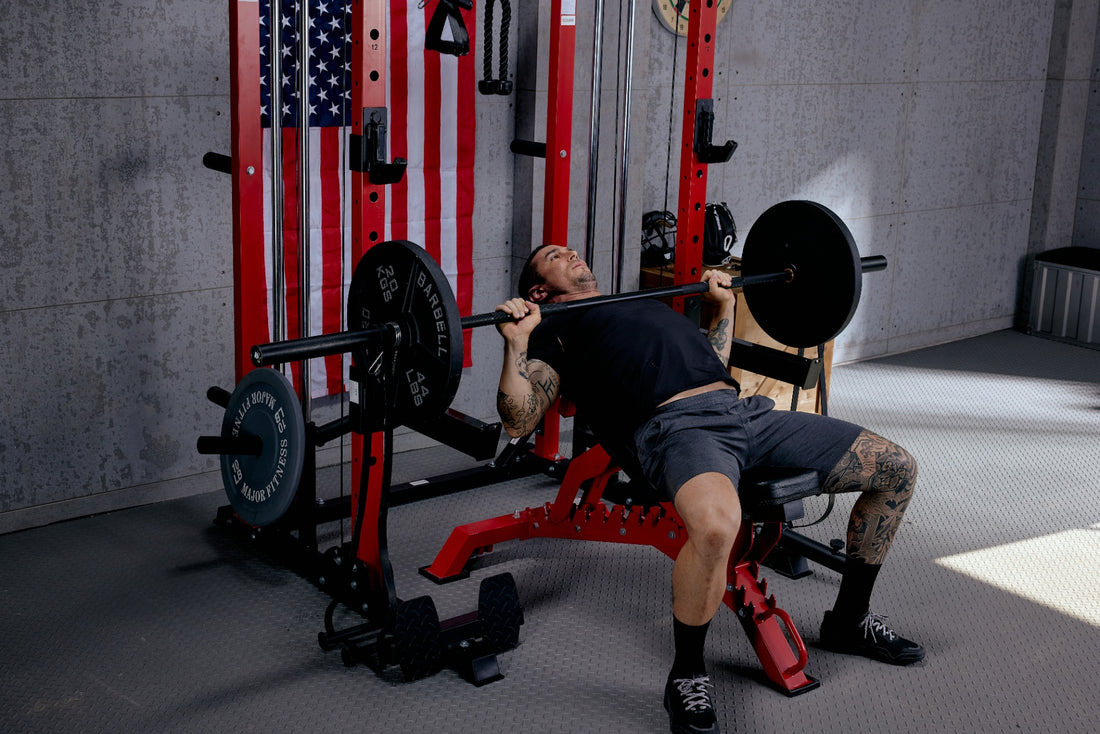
[[689, 705], [868, 636]]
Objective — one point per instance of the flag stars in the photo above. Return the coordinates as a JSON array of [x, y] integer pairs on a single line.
[[328, 61]]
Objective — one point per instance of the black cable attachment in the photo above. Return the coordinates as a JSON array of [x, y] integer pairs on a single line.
[[501, 85], [447, 12]]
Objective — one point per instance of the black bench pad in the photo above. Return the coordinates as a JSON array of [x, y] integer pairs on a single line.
[[770, 486]]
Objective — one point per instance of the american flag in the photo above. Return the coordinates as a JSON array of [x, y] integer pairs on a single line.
[[431, 124]]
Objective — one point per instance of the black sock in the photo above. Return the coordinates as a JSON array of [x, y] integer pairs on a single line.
[[854, 597], [689, 641]]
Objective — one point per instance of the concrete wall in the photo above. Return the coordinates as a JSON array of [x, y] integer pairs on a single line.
[[115, 278], [1086, 85], [937, 129]]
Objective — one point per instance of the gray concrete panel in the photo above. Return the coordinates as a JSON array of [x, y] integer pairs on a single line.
[[971, 143], [806, 42], [111, 199], [981, 40], [111, 393], [136, 48], [870, 329]]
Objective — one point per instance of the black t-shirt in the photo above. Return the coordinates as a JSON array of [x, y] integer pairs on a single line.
[[619, 361]]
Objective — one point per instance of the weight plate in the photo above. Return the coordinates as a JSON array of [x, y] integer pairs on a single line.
[[823, 294], [261, 488], [398, 282]]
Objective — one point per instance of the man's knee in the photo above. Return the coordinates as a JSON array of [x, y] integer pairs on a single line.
[[873, 464], [897, 471], [711, 512]]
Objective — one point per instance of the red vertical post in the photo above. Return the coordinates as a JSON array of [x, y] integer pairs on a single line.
[[559, 155], [698, 84], [559, 122], [368, 201], [246, 150], [368, 89]]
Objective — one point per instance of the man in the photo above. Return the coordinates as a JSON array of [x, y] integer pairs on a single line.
[[643, 376]]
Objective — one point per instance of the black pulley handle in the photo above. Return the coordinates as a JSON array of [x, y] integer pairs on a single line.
[[328, 344]]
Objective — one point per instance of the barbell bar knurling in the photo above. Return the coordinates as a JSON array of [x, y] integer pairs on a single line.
[[671, 291]]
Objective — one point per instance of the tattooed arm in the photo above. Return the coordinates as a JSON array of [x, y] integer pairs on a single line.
[[527, 387], [720, 332]]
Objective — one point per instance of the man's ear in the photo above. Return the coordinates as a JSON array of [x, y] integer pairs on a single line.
[[537, 294]]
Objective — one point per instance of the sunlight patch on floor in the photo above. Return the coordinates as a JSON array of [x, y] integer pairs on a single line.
[[1058, 571]]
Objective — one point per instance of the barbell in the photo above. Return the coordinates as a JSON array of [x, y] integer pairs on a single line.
[[801, 277]]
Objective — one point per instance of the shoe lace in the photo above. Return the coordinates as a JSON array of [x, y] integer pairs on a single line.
[[874, 625], [693, 691]]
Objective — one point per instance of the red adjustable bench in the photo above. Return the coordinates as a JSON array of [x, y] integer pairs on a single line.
[[770, 498]]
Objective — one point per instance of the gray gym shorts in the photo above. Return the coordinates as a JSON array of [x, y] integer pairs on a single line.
[[720, 432]]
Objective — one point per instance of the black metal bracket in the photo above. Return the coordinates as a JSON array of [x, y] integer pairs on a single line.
[[795, 369], [528, 147], [219, 162], [368, 151], [704, 149]]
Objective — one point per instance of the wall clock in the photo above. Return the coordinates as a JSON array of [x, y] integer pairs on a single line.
[[673, 14]]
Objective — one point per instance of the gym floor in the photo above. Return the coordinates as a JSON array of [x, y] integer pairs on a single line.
[[154, 620]]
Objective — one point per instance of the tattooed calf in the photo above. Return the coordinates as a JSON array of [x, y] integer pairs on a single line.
[[885, 474]]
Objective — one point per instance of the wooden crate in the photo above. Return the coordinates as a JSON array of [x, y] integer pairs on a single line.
[[745, 327]]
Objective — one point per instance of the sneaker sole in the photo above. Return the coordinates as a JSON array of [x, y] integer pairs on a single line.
[[904, 658], [686, 728]]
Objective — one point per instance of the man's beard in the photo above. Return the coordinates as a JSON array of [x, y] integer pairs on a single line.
[[585, 280]]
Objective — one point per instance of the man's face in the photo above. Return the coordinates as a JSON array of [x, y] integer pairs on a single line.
[[562, 271]]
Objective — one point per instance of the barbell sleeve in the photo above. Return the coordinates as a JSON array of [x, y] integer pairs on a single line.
[[323, 345], [872, 263]]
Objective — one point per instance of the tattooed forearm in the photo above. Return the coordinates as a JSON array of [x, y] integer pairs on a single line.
[[719, 337], [521, 365]]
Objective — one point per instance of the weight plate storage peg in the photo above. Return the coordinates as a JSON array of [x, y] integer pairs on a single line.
[[826, 279], [499, 611], [416, 638], [398, 283], [261, 486]]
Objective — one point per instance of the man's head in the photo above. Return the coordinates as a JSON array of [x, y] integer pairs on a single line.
[[551, 271]]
